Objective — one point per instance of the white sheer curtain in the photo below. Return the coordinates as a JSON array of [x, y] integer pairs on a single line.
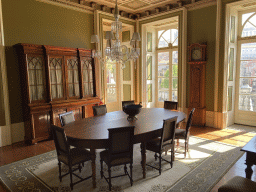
[[56, 78], [36, 78], [73, 78]]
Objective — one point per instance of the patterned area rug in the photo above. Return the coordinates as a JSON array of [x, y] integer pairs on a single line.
[[205, 164]]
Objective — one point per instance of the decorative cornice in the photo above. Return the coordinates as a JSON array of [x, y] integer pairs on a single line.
[[68, 4], [106, 6]]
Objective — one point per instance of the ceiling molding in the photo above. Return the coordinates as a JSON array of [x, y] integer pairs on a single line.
[[69, 5], [150, 8]]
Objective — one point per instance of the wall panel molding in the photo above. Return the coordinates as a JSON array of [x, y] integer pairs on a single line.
[[216, 119]]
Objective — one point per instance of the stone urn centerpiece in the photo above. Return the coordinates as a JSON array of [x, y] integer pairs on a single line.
[[132, 111]]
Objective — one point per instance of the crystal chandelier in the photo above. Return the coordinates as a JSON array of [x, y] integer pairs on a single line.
[[114, 51]]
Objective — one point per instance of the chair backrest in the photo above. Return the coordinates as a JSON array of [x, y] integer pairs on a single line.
[[168, 132], [171, 105], [125, 103], [189, 122], [60, 140], [120, 142], [99, 110], [66, 118]]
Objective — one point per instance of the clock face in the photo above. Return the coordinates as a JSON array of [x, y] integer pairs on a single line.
[[196, 54]]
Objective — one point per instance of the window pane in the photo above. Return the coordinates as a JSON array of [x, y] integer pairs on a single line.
[[175, 57], [163, 58], [163, 71], [250, 25], [163, 76], [175, 70], [149, 92], [248, 69], [149, 67], [230, 98], [111, 82], [248, 51], [163, 95], [232, 29], [167, 35], [162, 43], [174, 95], [149, 42], [160, 33], [174, 83], [163, 83], [247, 94], [246, 16], [231, 64], [174, 37]]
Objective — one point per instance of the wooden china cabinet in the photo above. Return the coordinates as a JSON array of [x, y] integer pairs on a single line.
[[197, 63], [54, 80]]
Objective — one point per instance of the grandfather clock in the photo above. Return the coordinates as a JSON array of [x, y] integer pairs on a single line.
[[197, 63]]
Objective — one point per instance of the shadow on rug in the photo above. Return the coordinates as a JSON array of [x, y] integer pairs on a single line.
[[205, 164]]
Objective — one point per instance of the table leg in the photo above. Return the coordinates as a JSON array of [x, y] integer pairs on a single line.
[[93, 155], [248, 171], [250, 158], [143, 158]]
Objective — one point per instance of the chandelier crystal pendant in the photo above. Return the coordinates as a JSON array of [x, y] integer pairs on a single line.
[[114, 51]]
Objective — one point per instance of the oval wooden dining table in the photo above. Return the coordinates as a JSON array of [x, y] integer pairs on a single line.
[[92, 132]]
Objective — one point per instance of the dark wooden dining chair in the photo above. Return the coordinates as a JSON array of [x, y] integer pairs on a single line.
[[125, 103], [66, 118], [99, 110], [184, 133], [118, 152], [173, 105], [69, 156], [164, 143]]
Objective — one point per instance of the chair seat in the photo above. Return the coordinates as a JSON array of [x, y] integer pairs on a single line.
[[77, 155], [238, 184], [180, 133], [118, 161], [154, 145]]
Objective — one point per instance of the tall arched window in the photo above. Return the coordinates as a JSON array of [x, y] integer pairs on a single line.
[[167, 64]]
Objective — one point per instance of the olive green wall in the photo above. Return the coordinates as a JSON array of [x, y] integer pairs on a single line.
[[30, 21], [201, 27]]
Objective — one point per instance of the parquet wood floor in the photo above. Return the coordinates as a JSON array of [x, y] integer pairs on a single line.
[[19, 151]]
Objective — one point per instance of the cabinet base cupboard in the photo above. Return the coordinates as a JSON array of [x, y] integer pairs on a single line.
[[54, 80]]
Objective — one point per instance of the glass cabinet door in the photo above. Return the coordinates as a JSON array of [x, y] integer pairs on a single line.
[[36, 78], [72, 77], [87, 76], [56, 77]]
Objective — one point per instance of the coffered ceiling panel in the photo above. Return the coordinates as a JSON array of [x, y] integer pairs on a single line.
[[134, 6]]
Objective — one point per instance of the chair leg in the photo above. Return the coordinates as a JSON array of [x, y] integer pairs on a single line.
[[160, 163], [79, 167], [125, 169], [101, 168], [109, 175], [172, 155], [155, 156], [60, 171], [186, 148], [131, 174], [70, 173]]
